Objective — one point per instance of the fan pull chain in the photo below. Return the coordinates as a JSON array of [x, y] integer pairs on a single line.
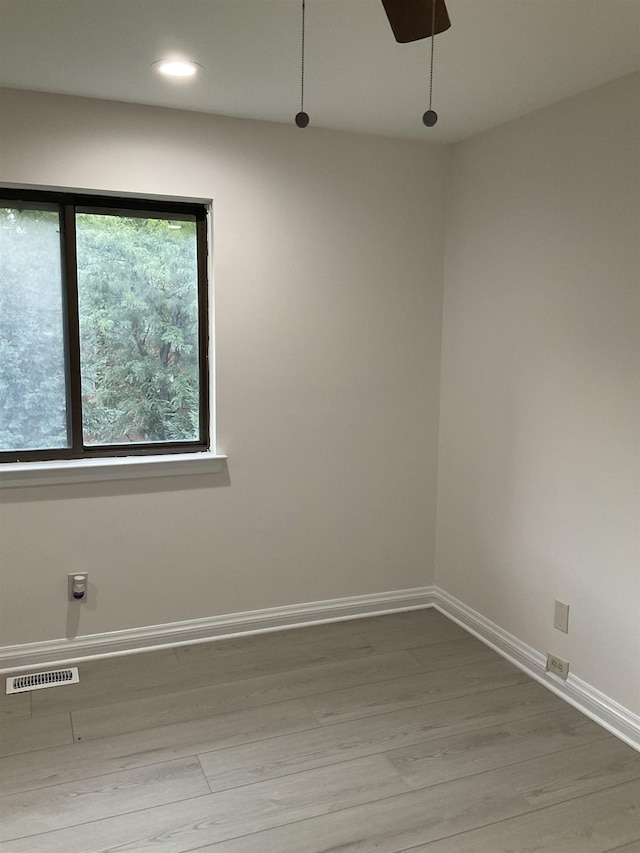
[[302, 118], [431, 116]]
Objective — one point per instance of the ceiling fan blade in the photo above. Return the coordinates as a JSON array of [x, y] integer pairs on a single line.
[[411, 19]]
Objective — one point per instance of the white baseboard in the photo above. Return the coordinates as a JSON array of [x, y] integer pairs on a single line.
[[55, 653], [596, 705]]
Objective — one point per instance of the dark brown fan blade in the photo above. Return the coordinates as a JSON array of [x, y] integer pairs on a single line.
[[411, 19]]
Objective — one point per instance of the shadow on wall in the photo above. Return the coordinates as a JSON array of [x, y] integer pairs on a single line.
[[117, 488], [90, 602]]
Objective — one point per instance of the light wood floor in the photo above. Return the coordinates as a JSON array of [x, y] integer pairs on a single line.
[[378, 735]]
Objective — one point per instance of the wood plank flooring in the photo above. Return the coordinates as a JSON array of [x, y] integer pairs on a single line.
[[381, 735]]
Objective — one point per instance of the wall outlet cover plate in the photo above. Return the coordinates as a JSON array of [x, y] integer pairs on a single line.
[[561, 617], [558, 666]]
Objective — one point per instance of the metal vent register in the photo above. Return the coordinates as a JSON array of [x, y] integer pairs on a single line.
[[40, 680]]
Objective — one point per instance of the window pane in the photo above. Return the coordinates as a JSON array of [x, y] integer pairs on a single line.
[[138, 304], [33, 405]]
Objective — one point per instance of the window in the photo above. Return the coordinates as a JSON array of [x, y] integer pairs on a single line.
[[103, 327]]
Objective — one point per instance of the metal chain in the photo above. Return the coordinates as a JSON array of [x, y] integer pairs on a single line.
[[302, 63], [433, 38]]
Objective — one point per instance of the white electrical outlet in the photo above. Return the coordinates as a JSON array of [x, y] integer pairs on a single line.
[[561, 617], [76, 584], [557, 666]]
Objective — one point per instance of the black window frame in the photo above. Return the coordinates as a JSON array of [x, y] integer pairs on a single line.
[[67, 203]]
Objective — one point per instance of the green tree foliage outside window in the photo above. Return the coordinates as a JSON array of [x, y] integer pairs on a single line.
[[139, 334], [138, 305]]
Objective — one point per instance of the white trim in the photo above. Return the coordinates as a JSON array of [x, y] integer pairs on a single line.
[[211, 329], [603, 710], [596, 705], [16, 474], [56, 653]]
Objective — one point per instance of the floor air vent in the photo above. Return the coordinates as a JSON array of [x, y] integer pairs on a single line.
[[40, 680]]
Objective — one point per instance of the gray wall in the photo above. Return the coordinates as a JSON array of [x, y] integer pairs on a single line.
[[539, 473], [328, 273]]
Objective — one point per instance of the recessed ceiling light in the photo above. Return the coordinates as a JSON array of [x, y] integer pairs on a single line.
[[176, 67]]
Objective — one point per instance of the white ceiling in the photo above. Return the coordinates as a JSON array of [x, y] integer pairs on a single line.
[[499, 60]]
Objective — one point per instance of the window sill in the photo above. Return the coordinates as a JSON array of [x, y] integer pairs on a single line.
[[19, 474]]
